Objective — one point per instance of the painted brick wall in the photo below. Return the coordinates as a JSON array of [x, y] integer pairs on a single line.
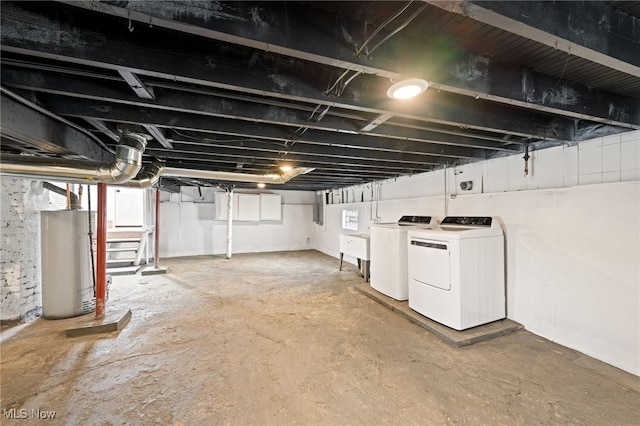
[[20, 273]]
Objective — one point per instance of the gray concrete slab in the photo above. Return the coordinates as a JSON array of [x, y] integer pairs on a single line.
[[113, 320], [152, 270], [284, 338], [123, 270], [453, 337]]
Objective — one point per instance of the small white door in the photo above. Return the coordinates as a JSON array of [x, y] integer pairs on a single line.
[[429, 263], [129, 207]]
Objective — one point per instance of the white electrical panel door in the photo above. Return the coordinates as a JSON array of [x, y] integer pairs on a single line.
[[270, 207], [249, 207]]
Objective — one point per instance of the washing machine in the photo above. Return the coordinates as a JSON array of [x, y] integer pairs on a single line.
[[388, 252], [456, 271]]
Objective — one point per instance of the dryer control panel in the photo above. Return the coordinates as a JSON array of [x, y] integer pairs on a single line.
[[466, 220]]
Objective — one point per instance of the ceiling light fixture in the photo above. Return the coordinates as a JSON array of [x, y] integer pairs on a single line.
[[407, 89], [262, 185], [286, 168]]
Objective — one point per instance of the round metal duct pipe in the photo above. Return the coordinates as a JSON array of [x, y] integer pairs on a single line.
[[127, 163], [236, 177]]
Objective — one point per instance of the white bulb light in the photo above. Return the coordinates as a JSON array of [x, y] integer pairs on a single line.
[[261, 185], [407, 89], [286, 168]]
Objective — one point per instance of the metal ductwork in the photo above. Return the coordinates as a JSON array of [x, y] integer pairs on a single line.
[[148, 176], [125, 170], [127, 163], [236, 177]]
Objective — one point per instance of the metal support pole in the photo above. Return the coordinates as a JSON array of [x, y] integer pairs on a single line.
[[229, 221], [101, 268], [156, 245]]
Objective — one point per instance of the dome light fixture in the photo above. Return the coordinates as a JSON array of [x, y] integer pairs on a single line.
[[407, 89], [262, 185], [286, 168]]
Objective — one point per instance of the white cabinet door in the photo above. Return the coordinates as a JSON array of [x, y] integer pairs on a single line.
[[220, 201], [249, 207], [270, 207]]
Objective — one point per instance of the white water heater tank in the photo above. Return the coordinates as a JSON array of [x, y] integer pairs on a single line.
[[67, 281]]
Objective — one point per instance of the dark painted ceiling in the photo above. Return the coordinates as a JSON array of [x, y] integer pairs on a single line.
[[247, 86]]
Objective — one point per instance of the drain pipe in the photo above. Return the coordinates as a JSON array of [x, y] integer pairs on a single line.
[[125, 166], [229, 220]]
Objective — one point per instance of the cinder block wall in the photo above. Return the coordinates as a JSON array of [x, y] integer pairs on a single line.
[[20, 273]]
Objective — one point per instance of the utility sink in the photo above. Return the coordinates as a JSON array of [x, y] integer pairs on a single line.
[[357, 246]]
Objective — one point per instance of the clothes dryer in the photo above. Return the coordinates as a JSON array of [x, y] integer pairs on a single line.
[[388, 244], [456, 271]]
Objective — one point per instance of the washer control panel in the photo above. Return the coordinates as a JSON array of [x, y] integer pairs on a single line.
[[466, 221]]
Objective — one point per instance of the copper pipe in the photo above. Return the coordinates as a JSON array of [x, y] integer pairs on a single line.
[[68, 197]]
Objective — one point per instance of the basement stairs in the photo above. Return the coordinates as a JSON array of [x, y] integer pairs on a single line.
[[127, 250]]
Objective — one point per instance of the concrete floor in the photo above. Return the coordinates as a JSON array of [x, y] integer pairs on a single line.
[[283, 338]]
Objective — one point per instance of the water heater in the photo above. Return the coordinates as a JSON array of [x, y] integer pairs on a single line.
[[67, 280]]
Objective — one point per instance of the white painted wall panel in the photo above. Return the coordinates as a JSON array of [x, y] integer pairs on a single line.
[[517, 181], [589, 160], [572, 252], [611, 158], [190, 229], [496, 175], [548, 169], [570, 165], [630, 155], [597, 275], [170, 230]]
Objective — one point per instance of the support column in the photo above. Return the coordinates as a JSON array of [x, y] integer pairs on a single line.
[[229, 221], [101, 256], [156, 244]]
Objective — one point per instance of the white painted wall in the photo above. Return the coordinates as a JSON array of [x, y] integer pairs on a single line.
[[572, 229], [188, 226]]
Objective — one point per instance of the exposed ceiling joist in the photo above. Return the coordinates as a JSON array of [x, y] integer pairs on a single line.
[[245, 86], [136, 85], [589, 30], [24, 125], [465, 74], [196, 68], [158, 135], [203, 104]]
